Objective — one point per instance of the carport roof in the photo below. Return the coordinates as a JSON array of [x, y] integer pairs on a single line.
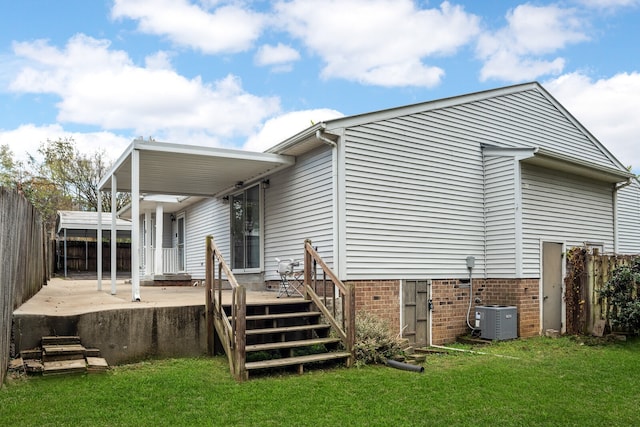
[[180, 169], [85, 224]]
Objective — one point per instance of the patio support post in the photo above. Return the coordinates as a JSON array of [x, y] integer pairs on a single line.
[[99, 242], [135, 226], [148, 252], [65, 252], [114, 234], [158, 268]]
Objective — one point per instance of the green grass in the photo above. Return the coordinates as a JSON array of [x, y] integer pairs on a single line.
[[553, 382]]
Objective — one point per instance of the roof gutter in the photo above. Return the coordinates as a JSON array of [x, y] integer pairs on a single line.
[[325, 139]]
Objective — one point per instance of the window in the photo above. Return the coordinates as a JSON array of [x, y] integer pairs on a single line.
[[245, 229]]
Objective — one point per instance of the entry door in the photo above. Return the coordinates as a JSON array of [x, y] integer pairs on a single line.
[[415, 294], [181, 242], [551, 286]]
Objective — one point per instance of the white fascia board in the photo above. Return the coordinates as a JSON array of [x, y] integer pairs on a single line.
[[212, 152], [106, 179]]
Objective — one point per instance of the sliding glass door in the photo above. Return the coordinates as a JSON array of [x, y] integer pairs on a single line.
[[245, 230]]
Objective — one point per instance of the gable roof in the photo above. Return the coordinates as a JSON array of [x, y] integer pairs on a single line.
[[319, 133]]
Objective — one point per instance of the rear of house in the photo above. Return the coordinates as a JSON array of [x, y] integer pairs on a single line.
[[433, 208]]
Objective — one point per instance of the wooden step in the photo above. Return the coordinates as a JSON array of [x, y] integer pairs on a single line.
[[283, 315], [92, 352], [65, 367], [290, 344], [285, 329], [298, 360], [97, 364], [35, 353], [60, 340], [51, 353]]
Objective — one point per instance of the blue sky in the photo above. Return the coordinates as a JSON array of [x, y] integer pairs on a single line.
[[247, 74]]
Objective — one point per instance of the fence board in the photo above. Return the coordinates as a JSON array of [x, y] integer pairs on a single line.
[[23, 262], [587, 274]]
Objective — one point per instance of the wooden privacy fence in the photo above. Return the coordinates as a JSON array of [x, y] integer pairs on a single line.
[[587, 273], [82, 255], [23, 261]]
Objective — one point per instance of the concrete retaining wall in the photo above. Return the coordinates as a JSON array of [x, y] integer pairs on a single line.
[[125, 335]]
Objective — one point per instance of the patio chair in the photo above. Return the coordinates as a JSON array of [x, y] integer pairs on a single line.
[[291, 277]]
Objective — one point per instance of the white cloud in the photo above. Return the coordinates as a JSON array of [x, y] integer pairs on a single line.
[[609, 4], [227, 29], [518, 51], [608, 108], [285, 126], [102, 87], [381, 42], [279, 55], [26, 139]]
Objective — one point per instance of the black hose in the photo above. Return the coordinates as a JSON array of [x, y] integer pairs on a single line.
[[405, 366]]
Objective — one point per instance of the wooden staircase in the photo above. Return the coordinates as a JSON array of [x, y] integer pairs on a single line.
[[281, 333], [288, 333], [60, 355]]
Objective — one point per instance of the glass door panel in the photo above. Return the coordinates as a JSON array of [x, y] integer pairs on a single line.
[[245, 229]]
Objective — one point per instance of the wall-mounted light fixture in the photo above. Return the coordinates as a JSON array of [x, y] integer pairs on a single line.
[[172, 217], [265, 184], [225, 200]]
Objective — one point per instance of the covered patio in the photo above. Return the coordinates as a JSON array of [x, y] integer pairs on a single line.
[[150, 168], [78, 225]]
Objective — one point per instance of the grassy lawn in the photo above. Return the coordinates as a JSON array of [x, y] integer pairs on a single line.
[[552, 382]]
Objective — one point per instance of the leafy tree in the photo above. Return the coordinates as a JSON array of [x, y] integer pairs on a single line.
[[64, 179], [77, 174], [623, 297]]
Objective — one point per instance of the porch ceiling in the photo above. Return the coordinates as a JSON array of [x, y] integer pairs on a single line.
[[191, 170]]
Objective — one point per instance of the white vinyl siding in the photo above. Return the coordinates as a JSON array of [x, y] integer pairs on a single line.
[[629, 219], [521, 120], [500, 206], [299, 206], [563, 208], [414, 203], [208, 217]]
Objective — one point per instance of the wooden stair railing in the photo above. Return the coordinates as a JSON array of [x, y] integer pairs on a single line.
[[224, 330], [227, 329], [333, 298]]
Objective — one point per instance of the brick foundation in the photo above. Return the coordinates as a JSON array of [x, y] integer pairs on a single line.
[[379, 297], [451, 302]]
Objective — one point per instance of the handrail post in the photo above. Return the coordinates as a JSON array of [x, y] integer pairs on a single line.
[[240, 336], [307, 267], [208, 295], [350, 326]]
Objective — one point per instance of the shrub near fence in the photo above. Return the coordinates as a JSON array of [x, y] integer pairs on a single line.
[[23, 262], [587, 273]]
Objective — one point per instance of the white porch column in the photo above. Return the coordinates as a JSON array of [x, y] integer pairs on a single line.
[[158, 265], [99, 241], [148, 250], [114, 234], [135, 226]]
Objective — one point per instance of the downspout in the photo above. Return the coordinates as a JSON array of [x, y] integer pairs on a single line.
[[616, 188], [484, 210], [336, 198]]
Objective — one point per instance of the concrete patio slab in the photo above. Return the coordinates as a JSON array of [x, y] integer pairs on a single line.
[[63, 297]]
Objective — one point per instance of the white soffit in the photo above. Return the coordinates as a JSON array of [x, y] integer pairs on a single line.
[[190, 170]]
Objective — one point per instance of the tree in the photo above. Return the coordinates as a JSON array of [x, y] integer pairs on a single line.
[[64, 179], [78, 174]]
